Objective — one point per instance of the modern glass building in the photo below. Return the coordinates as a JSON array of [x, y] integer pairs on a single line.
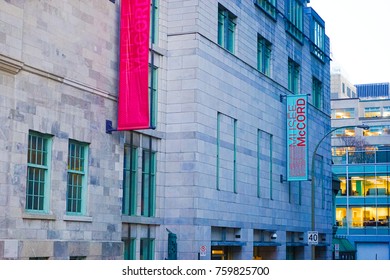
[[361, 161]]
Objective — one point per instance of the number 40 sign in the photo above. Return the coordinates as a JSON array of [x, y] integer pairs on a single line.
[[312, 237]]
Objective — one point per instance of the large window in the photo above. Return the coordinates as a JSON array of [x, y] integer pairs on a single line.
[[130, 249], [317, 93], [153, 98], [386, 111], [226, 28], [294, 24], [343, 113], [130, 180], [148, 192], [372, 112], [263, 55], [344, 132], [226, 153], [293, 76], [380, 130], [147, 249], [154, 21], [317, 36], [264, 164], [268, 6], [76, 189], [38, 166]]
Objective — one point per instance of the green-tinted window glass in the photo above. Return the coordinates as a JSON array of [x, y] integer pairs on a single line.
[[154, 17], [226, 28], [294, 24], [318, 37], [38, 155], [293, 76], [148, 192], [130, 180], [268, 6], [263, 55], [317, 93], [147, 249], [153, 96], [129, 252], [77, 155]]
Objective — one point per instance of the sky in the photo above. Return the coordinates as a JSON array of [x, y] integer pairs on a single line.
[[359, 32]]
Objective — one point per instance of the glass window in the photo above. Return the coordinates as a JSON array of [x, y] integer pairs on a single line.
[[264, 163], [76, 189], [343, 113], [130, 180], [386, 111], [372, 112], [317, 93], [38, 159], [293, 76], [147, 249], [263, 55], [344, 132], [380, 130], [129, 252], [294, 24], [148, 192], [318, 36], [154, 21], [153, 98], [226, 28], [268, 6]]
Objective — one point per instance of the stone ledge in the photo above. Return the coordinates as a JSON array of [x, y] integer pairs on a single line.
[[86, 219], [10, 65], [38, 216]]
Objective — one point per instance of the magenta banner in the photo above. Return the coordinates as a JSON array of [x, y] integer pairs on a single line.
[[133, 104]]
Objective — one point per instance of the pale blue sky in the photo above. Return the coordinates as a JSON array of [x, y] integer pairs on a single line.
[[359, 32]]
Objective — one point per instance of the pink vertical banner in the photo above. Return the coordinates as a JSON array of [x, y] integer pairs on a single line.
[[133, 97]]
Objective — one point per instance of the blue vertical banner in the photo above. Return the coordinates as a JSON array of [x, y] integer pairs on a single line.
[[297, 138]]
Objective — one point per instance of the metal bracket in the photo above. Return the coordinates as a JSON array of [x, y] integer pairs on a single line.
[[109, 128]]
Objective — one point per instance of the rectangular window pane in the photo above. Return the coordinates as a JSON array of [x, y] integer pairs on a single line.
[[268, 6], [263, 55], [372, 112], [147, 249], [294, 24], [76, 177], [344, 113], [130, 180], [226, 28], [37, 171], [317, 93], [148, 191], [153, 78], [293, 76]]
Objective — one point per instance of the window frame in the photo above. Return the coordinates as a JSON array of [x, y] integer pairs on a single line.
[[295, 19], [226, 29], [264, 55], [130, 180], [317, 96], [372, 112], [45, 167], [148, 186], [80, 196], [294, 76], [317, 33], [269, 7], [153, 94]]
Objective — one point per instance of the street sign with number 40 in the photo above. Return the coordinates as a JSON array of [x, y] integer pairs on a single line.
[[312, 237]]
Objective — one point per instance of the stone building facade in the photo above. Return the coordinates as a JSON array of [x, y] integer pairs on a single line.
[[212, 172]]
